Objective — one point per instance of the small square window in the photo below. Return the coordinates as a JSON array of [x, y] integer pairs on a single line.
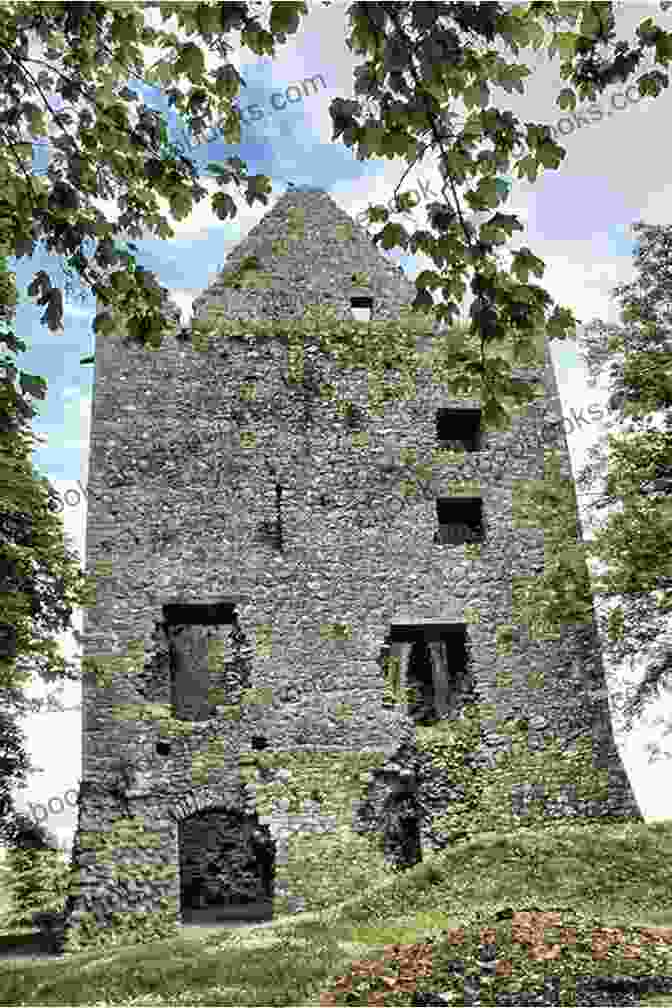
[[362, 307], [460, 521], [459, 429]]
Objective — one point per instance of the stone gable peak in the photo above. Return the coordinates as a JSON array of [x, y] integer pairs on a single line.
[[311, 252]]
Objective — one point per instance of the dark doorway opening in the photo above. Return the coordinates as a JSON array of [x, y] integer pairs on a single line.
[[227, 868]]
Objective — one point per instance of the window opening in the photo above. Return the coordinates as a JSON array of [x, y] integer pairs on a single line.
[[459, 429], [190, 630], [460, 521], [362, 307], [433, 660]]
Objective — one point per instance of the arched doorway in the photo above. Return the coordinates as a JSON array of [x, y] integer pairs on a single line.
[[227, 867]]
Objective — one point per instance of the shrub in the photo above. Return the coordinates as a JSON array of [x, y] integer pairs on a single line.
[[37, 880]]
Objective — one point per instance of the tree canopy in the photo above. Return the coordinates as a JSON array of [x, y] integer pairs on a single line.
[[634, 467], [416, 58]]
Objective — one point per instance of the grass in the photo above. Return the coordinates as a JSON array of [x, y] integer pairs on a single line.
[[377, 946]]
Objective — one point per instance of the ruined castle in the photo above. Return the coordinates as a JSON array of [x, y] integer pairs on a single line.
[[257, 565]]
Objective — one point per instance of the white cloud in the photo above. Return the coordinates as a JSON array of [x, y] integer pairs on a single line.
[[75, 311]]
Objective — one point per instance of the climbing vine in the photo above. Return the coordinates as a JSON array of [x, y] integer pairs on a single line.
[[493, 797]]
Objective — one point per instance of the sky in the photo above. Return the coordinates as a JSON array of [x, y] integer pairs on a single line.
[[578, 219]]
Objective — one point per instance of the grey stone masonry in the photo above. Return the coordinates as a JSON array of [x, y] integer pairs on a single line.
[[246, 515]]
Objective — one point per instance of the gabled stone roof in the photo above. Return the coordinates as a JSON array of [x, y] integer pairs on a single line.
[[318, 267]]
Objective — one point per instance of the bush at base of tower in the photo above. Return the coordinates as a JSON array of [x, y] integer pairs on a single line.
[[36, 880], [127, 928]]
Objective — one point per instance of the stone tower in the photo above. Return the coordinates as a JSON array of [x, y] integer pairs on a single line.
[[248, 532]]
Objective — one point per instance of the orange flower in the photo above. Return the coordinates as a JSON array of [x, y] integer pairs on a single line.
[[611, 935], [541, 953], [455, 935], [661, 934], [527, 927]]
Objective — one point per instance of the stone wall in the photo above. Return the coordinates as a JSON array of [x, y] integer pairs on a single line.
[[215, 476]]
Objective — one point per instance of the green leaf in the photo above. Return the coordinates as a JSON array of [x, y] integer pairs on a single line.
[[524, 263], [393, 236], [103, 323], [208, 20], [223, 206], [590, 21], [428, 278], [562, 324], [476, 94], [227, 81], [180, 205], [190, 62], [284, 18], [24, 150], [35, 115], [567, 99], [565, 42], [33, 385], [163, 71], [122, 281], [220, 170]]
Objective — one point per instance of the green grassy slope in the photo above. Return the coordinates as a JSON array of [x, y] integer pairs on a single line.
[[405, 933]]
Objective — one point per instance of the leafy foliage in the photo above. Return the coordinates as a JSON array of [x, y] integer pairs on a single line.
[[37, 881], [562, 592], [15, 765], [632, 468], [514, 952], [119, 145], [41, 580], [34, 871]]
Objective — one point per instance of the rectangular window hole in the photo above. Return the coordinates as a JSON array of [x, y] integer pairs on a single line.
[[189, 628], [361, 306], [435, 659], [200, 614], [459, 429], [460, 521]]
